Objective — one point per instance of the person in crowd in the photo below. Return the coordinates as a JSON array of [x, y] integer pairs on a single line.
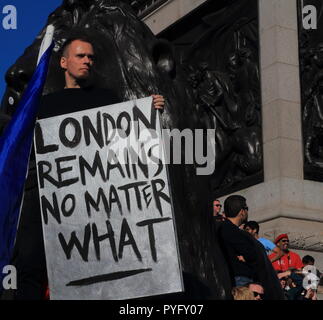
[[285, 259], [237, 249], [217, 214], [295, 287], [217, 206], [309, 294], [310, 261], [283, 280], [253, 228], [257, 290], [242, 293]]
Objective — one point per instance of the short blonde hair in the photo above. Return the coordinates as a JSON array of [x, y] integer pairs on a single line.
[[242, 293]]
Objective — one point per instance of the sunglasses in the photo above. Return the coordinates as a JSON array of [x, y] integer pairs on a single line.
[[245, 208], [285, 241], [256, 294], [218, 205]]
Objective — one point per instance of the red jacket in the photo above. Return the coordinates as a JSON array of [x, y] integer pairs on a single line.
[[290, 260]]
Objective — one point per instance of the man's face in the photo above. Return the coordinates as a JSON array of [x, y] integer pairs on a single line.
[[251, 231], [244, 214], [283, 283], [257, 290], [78, 60], [283, 244], [216, 207]]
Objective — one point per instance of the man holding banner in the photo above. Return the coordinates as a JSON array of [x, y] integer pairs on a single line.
[[77, 60]]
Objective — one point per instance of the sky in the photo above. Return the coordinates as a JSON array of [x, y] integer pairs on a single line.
[[31, 18]]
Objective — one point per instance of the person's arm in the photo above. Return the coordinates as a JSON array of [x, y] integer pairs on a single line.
[[275, 250], [271, 246], [246, 251], [276, 256], [284, 274]]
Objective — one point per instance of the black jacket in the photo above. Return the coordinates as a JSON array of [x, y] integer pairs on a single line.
[[234, 244]]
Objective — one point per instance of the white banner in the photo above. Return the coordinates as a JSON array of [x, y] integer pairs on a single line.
[[108, 222]]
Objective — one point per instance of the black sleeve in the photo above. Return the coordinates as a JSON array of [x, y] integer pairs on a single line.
[[4, 120], [241, 244]]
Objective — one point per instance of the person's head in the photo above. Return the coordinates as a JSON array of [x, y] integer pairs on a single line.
[[252, 227], [308, 261], [282, 242], [235, 209], [77, 59], [283, 282], [257, 290], [216, 207], [242, 293]]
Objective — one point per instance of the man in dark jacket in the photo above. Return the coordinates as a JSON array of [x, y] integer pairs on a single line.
[[245, 256], [238, 250]]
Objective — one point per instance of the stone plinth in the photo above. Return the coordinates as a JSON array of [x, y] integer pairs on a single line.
[[285, 202], [169, 13]]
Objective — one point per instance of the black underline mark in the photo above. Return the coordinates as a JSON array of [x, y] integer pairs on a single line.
[[106, 277]]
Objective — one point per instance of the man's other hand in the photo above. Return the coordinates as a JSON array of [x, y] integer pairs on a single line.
[[158, 102], [241, 259]]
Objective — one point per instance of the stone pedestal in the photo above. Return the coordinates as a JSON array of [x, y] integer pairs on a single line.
[[169, 13], [284, 202]]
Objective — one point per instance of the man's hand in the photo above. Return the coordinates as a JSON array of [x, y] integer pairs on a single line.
[[241, 259], [158, 101]]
